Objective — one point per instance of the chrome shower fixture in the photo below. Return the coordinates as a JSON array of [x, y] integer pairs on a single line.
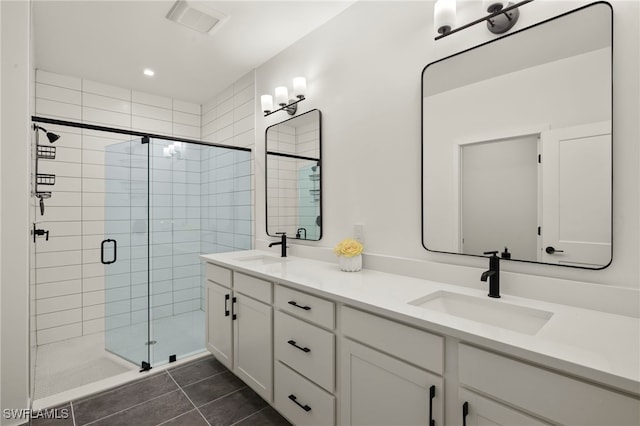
[[51, 136]]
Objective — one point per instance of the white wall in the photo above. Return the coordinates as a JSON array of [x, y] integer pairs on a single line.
[[363, 70], [14, 181]]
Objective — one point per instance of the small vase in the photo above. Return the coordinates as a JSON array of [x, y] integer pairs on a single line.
[[350, 264]]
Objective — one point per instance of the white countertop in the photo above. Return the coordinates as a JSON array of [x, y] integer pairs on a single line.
[[599, 346]]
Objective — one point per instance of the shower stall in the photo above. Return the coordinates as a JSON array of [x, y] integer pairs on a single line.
[[118, 284]]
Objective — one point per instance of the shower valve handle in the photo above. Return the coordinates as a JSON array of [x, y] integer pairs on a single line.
[[39, 232]]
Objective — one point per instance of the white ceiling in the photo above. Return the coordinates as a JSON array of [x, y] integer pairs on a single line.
[[113, 41]]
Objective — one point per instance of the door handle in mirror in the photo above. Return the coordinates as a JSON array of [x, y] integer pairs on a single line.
[[115, 251], [552, 250]]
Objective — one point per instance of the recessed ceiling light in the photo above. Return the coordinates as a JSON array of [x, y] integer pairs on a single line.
[[149, 72]]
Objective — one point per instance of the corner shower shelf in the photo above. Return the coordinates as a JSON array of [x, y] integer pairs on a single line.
[[46, 152], [45, 179]]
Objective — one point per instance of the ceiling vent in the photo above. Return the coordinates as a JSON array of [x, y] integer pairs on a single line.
[[196, 16]]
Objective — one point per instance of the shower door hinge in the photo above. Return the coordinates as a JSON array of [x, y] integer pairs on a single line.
[[145, 139], [145, 366]]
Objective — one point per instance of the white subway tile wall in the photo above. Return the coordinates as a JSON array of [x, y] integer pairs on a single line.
[[227, 177], [200, 202]]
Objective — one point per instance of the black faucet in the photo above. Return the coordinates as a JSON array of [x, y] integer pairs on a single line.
[[493, 274], [282, 243]]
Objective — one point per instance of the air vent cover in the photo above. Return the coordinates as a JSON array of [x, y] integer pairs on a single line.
[[196, 16]]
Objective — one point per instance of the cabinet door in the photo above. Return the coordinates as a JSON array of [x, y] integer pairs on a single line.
[[219, 323], [480, 411], [380, 390], [253, 345]]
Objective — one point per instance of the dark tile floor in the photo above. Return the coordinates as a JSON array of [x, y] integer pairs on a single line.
[[202, 392]]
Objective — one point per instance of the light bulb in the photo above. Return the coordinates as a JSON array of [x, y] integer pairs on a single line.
[[282, 96], [299, 87], [444, 16], [267, 103]]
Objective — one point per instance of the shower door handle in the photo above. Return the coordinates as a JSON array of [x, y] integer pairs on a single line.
[[115, 251]]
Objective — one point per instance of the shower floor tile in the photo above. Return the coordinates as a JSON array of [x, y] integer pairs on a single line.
[[161, 399], [72, 363]]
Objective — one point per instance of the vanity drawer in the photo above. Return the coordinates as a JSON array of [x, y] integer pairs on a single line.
[[306, 348], [317, 407], [405, 342], [551, 395], [302, 305], [253, 287], [218, 274]]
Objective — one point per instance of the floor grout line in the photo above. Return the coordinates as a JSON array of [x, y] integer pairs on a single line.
[[202, 380], [250, 415], [119, 388], [73, 416], [189, 399], [225, 395], [133, 406]]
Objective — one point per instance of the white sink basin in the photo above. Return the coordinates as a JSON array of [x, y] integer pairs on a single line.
[[487, 311], [261, 259]]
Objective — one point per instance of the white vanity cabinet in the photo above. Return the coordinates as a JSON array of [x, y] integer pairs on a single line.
[[322, 357], [240, 326], [390, 372], [479, 411], [553, 397], [304, 348]]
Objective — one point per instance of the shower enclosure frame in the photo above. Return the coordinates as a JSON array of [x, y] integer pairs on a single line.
[[145, 138]]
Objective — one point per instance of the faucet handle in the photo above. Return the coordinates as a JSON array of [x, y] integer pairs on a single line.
[[493, 253], [281, 233]]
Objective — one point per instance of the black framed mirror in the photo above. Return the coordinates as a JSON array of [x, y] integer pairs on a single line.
[[294, 178], [517, 144]]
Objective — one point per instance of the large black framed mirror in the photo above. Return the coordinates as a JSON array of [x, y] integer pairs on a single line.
[[517, 144], [294, 178]]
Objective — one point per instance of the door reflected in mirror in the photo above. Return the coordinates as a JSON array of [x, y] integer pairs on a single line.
[[516, 144], [293, 176]]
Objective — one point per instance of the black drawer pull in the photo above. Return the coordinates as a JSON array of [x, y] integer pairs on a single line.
[[465, 412], [294, 399], [293, 343], [432, 394], [293, 303], [226, 308], [233, 310]]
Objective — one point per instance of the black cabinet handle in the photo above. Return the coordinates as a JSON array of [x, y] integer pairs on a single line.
[[294, 399], [115, 251], [465, 413], [293, 303], [552, 250], [293, 343], [233, 310], [432, 394], [226, 308]]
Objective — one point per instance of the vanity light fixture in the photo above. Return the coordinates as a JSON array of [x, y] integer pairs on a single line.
[[149, 72], [282, 98], [502, 16]]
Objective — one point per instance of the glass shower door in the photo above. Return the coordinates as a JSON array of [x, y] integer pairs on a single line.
[[124, 251]]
